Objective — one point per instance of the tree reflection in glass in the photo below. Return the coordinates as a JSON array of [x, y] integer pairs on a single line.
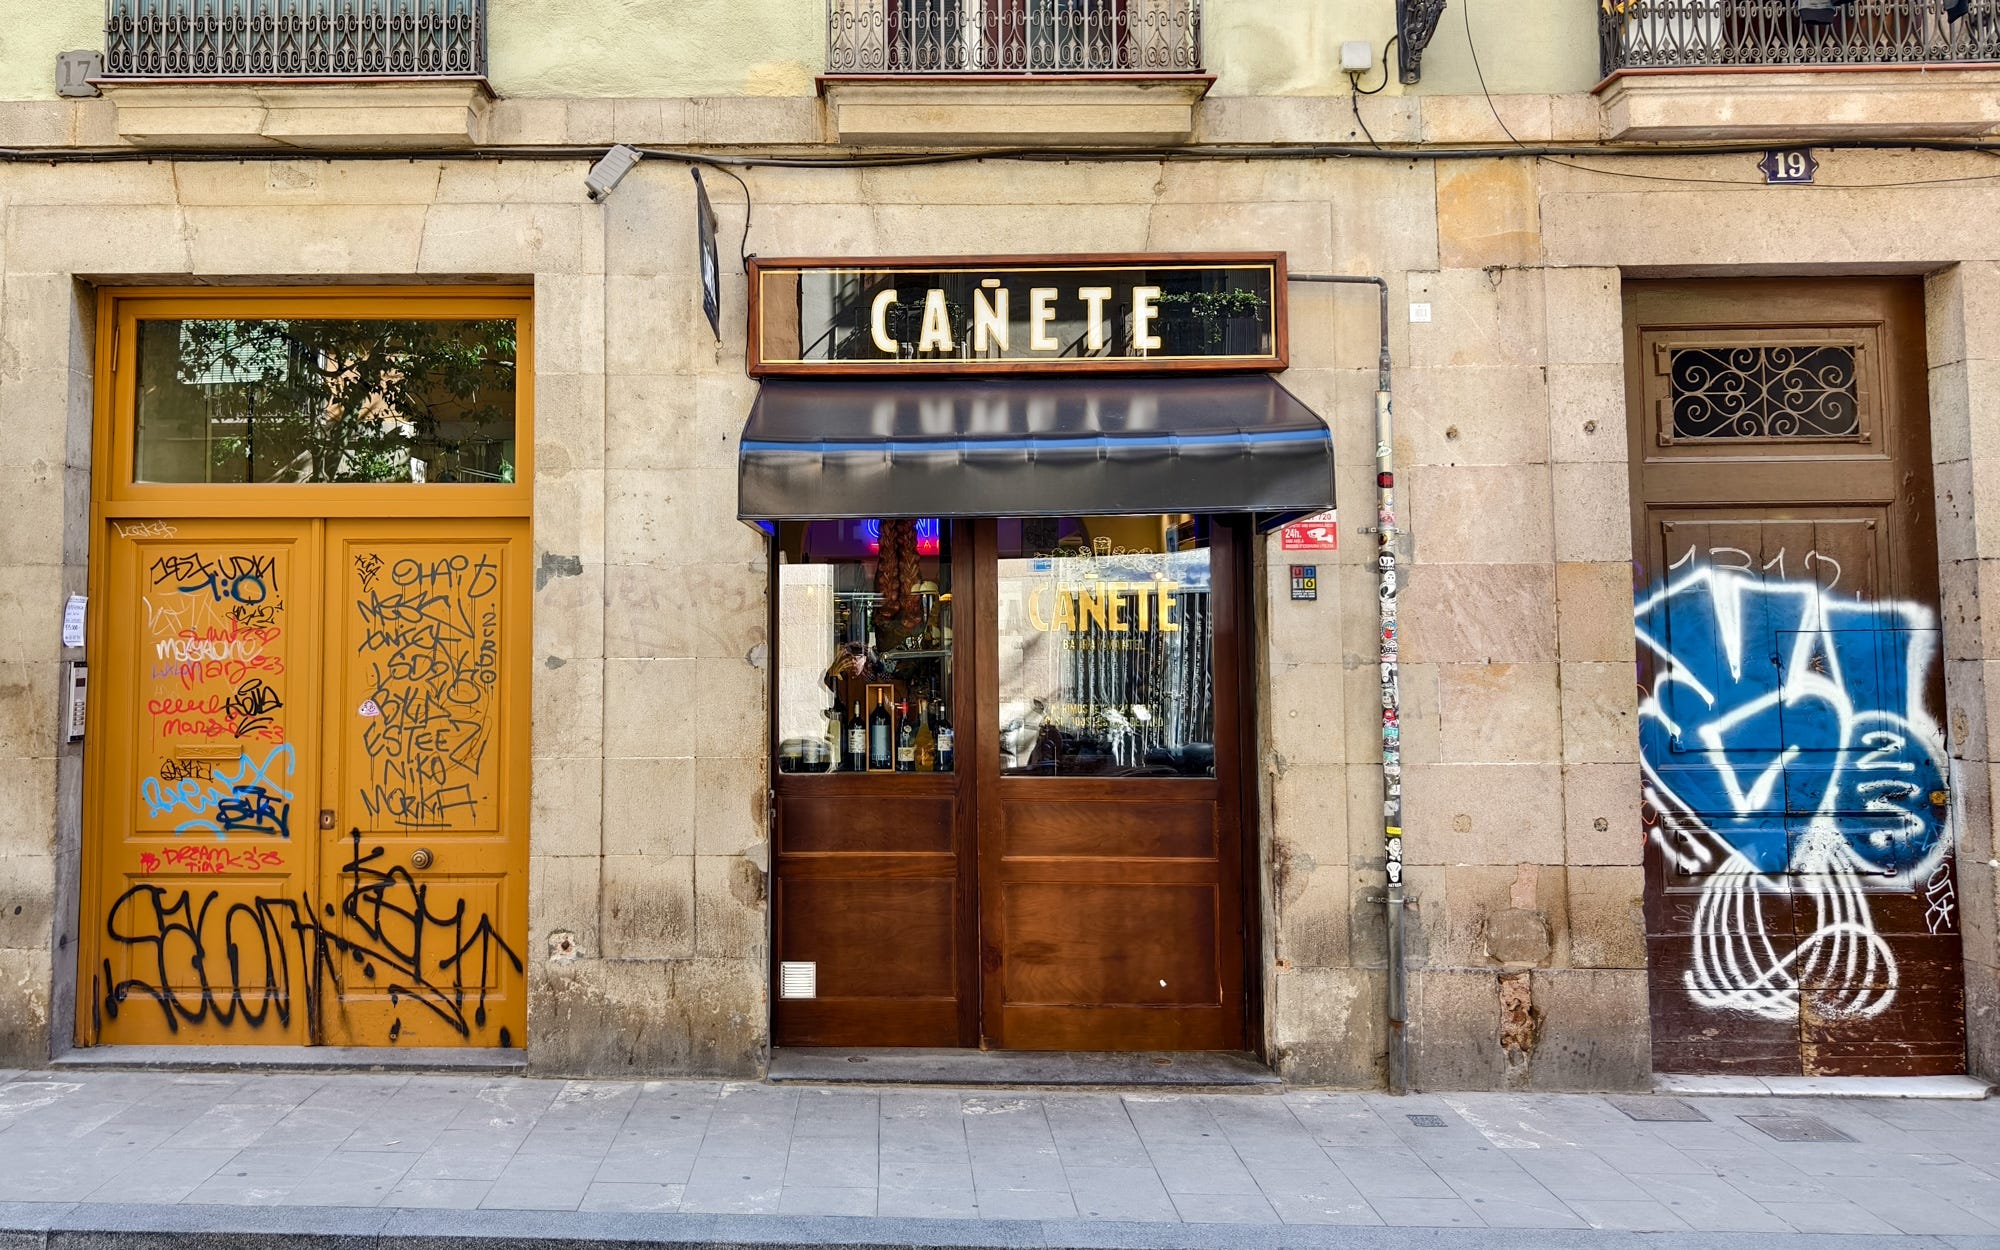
[[326, 400]]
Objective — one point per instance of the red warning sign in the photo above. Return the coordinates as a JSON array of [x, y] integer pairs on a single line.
[[1318, 532]]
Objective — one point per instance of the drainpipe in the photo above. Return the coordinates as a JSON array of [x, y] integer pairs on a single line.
[[1388, 655]]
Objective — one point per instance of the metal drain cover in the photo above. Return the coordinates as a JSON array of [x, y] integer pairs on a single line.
[[1794, 1128], [1427, 1121], [1659, 1110]]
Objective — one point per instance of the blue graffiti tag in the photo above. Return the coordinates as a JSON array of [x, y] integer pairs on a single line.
[[249, 799], [1785, 716], [1788, 753]]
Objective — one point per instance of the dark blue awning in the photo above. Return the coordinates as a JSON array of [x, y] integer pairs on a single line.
[[1037, 446]]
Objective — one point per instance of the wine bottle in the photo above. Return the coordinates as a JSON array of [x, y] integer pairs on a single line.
[[881, 750], [906, 745], [944, 737], [926, 739], [857, 741]]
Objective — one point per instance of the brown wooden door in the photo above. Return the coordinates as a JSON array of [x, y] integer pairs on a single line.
[[1111, 905], [873, 880], [1044, 895], [1800, 909]]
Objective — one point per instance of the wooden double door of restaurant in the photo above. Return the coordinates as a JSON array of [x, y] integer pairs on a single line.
[[309, 803], [1000, 906]]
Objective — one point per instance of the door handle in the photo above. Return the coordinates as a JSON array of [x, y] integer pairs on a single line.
[[420, 858]]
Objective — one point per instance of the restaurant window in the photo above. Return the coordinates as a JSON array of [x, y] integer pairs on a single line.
[[348, 400], [865, 647], [1106, 647]]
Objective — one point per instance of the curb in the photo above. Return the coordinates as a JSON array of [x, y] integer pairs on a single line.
[[108, 1226]]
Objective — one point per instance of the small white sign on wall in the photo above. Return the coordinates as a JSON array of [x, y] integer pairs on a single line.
[[73, 621]]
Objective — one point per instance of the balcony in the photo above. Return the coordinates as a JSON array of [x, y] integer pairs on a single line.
[[265, 40], [958, 37], [1706, 34], [1013, 71], [299, 73], [1799, 70]]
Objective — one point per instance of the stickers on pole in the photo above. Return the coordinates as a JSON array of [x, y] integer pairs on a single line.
[[1318, 532]]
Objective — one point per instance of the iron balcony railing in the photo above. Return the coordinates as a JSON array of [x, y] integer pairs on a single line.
[[263, 39], [1702, 34], [1013, 37]]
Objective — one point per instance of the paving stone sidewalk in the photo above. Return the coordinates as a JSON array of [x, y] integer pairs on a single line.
[[1277, 1159]]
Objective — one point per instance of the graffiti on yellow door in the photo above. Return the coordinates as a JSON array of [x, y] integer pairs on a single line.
[[262, 886]]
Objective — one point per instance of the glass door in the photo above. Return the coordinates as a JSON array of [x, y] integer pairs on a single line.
[[1110, 871], [871, 908]]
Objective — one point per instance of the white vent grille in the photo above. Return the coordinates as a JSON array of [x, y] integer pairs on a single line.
[[798, 980]]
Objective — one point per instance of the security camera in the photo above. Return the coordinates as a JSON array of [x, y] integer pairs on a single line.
[[609, 170]]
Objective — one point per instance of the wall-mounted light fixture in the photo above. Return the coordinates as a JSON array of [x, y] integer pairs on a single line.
[[1416, 22], [609, 171]]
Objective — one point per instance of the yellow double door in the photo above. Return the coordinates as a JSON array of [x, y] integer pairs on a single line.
[[308, 812]]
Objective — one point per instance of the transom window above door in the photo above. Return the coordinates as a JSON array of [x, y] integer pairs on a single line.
[[296, 401], [282, 399]]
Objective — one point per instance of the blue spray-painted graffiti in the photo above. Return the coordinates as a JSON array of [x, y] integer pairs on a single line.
[[1787, 750], [248, 799]]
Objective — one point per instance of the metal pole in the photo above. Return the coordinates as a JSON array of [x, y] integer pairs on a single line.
[[1388, 655]]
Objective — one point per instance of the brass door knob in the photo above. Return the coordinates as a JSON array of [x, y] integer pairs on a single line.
[[420, 858]]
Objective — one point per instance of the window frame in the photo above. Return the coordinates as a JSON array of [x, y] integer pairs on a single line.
[[114, 464]]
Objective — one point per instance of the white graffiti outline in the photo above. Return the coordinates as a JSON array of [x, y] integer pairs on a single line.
[[1736, 963]]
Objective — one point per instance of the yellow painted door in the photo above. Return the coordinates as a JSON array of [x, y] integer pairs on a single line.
[[204, 702], [313, 822], [425, 867]]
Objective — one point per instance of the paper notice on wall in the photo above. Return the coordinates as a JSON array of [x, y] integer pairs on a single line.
[[73, 622], [1318, 532]]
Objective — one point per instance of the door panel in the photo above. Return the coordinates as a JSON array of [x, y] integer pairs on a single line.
[[205, 834], [424, 868], [1112, 898], [288, 710], [871, 881], [1799, 857]]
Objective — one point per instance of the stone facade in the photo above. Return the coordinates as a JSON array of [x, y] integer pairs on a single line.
[[648, 917]]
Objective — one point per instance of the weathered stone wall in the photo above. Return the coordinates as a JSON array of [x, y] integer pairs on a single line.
[[1962, 312], [648, 908], [608, 49]]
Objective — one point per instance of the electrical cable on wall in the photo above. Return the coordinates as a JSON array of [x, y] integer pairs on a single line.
[[1465, 15], [1355, 91], [893, 160], [742, 248]]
